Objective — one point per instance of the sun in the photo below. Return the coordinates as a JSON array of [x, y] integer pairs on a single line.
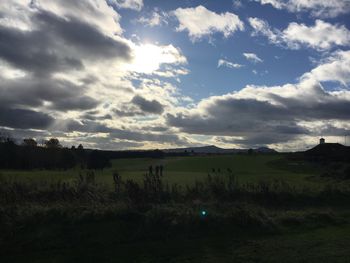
[[148, 58]]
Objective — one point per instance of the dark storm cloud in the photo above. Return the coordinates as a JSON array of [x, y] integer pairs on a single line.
[[24, 119], [149, 106]]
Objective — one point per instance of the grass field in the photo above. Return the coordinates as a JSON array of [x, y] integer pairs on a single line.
[[186, 170], [92, 223]]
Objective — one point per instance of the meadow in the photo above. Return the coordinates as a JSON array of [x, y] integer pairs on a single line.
[[224, 208], [186, 170]]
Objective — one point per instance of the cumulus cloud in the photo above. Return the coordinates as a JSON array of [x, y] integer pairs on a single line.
[[131, 135], [130, 4], [318, 8], [320, 36], [260, 115], [63, 60], [252, 57], [150, 106], [226, 63], [200, 22], [24, 119], [334, 68]]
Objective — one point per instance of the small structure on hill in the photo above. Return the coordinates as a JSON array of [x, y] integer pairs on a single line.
[[326, 152]]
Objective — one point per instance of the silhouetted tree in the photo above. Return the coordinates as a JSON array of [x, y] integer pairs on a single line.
[[29, 142], [6, 138], [8, 153], [53, 143]]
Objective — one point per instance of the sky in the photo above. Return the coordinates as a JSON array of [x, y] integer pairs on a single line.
[[142, 74]]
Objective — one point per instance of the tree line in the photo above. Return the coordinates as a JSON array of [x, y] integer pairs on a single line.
[[49, 155]]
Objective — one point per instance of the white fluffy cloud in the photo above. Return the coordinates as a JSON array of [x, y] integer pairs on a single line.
[[229, 64], [335, 68], [252, 57], [320, 36], [200, 21], [130, 4], [318, 8]]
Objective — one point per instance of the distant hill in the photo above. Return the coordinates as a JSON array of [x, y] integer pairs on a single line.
[[212, 149]]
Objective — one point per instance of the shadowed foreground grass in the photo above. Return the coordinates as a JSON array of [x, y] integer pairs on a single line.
[[151, 221], [328, 244]]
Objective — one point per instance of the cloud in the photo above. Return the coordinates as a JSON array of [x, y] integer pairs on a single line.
[[252, 57], [200, 22], [237, 4], [24, 119], [156, 18], [56, 94], [334, 68], [130, 4], [149, 106], [318, 8], [320, 36], [92, 127], [70, 60], [260, 115], [261, 27], [225, 63], [148, 57]]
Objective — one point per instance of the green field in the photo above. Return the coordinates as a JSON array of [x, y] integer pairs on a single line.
[[186, 170], [308, 222]]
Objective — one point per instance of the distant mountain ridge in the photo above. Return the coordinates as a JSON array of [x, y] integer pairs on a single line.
[[215, 149]]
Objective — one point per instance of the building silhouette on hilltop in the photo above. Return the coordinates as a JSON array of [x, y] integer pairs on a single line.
[[328, 152]]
